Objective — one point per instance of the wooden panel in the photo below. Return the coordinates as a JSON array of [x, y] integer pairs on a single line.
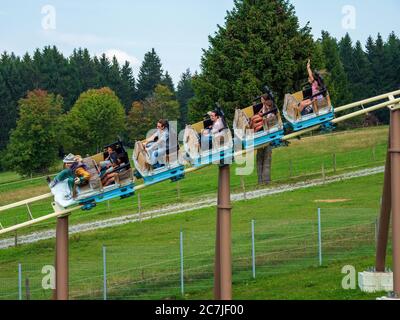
[[249, 111], [198, 127], [298, 96], [98, 157]]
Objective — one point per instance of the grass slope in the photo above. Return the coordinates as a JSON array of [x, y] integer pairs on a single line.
[[143, 258], [302, 160]]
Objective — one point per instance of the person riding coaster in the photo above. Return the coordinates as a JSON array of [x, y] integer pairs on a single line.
[[314, 94], [310, 106], [216, 125], [268, 116], [209, 140], [259, 123], [75, 173], [157, 145]]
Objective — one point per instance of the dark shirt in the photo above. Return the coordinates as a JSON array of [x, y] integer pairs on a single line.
[[113, 157]]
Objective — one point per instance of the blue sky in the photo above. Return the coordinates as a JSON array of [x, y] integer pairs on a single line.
[[177, 29]]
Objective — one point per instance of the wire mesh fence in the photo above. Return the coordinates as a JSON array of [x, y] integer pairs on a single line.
[[183, 265]]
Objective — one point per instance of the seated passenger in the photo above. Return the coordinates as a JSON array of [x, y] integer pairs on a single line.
[[75, 172], [157, 144], [264, 117], [214, 130], [109, 177], [314, 79], [108, 163]]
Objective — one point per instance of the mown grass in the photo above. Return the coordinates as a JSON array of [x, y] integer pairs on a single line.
[[143, 259], [301, 161]]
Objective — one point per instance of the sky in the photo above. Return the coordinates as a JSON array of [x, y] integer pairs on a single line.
[[177, 29]]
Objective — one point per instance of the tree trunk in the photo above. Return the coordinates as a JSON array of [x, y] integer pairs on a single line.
[[264, 160]]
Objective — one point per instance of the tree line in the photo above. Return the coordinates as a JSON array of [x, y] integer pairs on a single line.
[[261, 43], [49, 70]]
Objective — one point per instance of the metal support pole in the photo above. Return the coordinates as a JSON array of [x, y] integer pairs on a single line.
[[395, 184], [62, 258], [223, 276], [104, 273], [217, 269], [182, 272], [253, 248], [319, 237], [19, 281], [384, 218]]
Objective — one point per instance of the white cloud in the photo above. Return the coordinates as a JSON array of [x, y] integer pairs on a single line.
[[122, 56]]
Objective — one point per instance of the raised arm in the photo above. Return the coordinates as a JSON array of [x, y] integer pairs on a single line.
[[310, 73]]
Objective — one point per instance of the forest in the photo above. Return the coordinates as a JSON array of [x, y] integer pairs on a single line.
[[51, 104]]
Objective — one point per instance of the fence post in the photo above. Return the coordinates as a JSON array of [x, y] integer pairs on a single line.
[[181, 252], [376, 231], [319, 237], [178, 189], [243, 187], [16, 233], [334, 163], [253, 249], [323, 172], [108, 205], [374, 153], [104, 273], [19, 281], [27, 289], [139, 206]]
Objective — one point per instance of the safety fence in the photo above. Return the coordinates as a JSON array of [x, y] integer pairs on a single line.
[[180, 265]]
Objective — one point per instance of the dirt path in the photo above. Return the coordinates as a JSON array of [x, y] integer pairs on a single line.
[[185, 207]]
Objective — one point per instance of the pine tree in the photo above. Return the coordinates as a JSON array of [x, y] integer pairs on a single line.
[[103, 67], [260, 44], [376, 57], [184, 94], [54, 73], [127, 91], [167, 81], [83, 71], [392, 66], [337, 81], [362, 77], [7, 113], [347, 56], [150, 75], [13, 89]]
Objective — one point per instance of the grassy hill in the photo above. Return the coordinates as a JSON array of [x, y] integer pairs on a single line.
[[301, 161], [143, 260]]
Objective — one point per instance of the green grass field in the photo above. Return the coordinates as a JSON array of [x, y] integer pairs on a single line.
[[143, 260], [303, 160]]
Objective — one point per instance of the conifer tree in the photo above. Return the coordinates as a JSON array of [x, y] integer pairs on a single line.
[[168, 82], [337, 81], [184, 94], [260, 44], [150, 75]]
